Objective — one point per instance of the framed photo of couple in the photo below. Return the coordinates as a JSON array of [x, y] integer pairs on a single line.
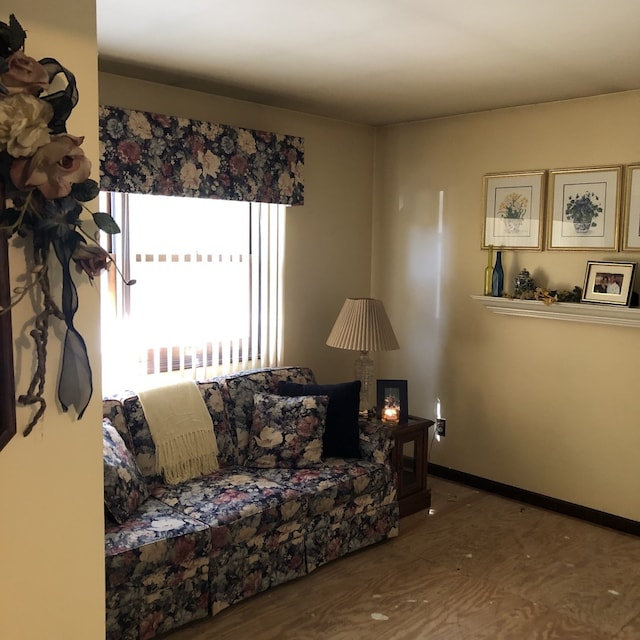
[[609, 282]]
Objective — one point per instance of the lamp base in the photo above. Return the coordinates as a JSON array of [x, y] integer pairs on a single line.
[[364, 373]]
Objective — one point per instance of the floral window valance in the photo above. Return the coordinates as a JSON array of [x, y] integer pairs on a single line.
[[150, 153]]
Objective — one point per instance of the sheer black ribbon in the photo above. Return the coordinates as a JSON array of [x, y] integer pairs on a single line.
[[75, 385], [62, 101]]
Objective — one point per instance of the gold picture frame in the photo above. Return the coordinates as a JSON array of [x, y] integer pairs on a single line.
[[583, 208], [513, 210], [631, 224]]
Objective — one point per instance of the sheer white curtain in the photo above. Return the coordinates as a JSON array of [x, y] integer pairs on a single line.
[[258, 343]]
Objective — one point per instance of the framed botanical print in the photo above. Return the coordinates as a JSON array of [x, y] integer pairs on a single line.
[[513, 207], [584, 208], [631, 224]]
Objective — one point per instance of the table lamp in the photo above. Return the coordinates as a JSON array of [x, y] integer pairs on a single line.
[[363, 325]]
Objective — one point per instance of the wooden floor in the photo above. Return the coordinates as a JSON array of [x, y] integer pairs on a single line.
[[480, 567]]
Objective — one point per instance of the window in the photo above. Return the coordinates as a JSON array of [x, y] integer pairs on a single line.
[[207, 298]]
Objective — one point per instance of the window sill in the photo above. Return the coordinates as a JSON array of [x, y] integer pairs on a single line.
[[571, 311]]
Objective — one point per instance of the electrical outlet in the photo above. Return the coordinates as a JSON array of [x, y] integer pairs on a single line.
[[441, 427]]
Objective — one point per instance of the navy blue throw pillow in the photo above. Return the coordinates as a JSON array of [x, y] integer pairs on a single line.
[[341, 438]]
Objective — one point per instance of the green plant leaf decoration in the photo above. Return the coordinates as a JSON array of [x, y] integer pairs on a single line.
[[106, 223], [85, 191]]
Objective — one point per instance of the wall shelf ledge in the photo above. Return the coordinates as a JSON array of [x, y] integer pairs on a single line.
[[571, 311]]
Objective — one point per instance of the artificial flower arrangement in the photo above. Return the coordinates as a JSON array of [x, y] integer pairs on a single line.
[[548, 296], [44, 183]]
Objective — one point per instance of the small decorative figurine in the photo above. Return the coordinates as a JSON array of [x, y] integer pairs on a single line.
[[524, 283]]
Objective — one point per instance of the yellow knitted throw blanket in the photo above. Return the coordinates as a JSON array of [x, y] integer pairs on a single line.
[[182, 431]]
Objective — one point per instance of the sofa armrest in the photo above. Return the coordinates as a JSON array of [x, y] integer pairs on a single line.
[[376, 442]]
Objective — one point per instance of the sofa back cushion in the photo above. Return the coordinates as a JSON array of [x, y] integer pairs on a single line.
[[229, 400], [213, 394], [240, 388], [139, 438]]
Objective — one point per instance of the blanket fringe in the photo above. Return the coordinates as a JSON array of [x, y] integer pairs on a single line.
[[175, 460]]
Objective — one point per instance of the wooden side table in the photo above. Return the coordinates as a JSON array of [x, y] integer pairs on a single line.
[[410, 461]]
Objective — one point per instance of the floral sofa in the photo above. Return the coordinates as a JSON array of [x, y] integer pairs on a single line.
[[177, 553]]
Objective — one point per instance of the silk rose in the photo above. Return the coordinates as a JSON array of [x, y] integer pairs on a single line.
[[53, 168], [91, 259], [24, 124], [24, 75]]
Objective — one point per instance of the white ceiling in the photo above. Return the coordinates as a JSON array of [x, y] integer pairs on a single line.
[[377, 61]]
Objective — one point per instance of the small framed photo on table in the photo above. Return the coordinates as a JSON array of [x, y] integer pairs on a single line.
[[609, 282], [392, 393]]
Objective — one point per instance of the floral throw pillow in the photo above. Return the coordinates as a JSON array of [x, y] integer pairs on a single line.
[[124, 486], [286, 432]]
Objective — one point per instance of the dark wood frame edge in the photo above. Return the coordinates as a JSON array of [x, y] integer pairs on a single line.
[[7, 379]]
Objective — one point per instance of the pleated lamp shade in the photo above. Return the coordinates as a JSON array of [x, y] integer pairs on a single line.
[[363, 325]]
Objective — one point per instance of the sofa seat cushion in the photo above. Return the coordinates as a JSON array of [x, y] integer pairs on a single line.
[[237, 505], [348, 528], [243, 571], [155, 541], [240, 389], [157, 572], [332, 483], [132, 614]]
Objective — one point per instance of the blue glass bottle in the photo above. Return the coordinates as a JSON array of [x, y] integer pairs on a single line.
[[497, 280]]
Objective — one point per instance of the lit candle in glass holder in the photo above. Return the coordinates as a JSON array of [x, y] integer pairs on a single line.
[[391, 411]]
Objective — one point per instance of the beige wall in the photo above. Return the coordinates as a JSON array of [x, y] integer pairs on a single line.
[[545, 405], [524, 398], [328, 240], [51, 527]]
